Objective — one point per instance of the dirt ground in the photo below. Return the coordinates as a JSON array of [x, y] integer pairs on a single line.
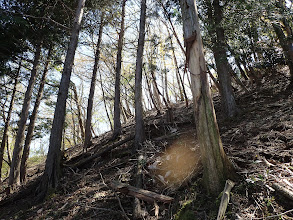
[[259, 142]]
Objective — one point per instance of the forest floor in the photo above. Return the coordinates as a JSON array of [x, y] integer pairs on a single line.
[[259, 142]]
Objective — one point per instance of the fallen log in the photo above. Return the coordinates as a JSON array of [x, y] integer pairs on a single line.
[[283, 190], [104, 150], [142, 194]]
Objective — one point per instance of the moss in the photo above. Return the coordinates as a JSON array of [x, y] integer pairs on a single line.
[[185, 213]]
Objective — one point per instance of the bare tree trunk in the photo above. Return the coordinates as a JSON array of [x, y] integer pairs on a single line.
[[80, 122], [117, 121], [139, 124], [87, 140], [7, 121], [15, 165], [50, 178], [217, 167], [29, 135]]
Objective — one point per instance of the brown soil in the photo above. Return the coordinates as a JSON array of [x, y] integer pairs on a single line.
[[259, 142]]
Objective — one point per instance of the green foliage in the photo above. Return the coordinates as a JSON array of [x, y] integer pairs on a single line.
[[185, 212]]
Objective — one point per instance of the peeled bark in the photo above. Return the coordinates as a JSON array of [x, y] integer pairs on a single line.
[[117, 121], [7, 120], [217, 167], [15, 163], [50, 178], [88, 134], [29, 135]]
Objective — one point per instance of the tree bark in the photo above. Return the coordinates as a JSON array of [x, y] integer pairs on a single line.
[[139, 124], [7, 120], [223, 67], [50, 178], [117, 120], [216, 165], [29, 135], [88, 134], [15, 163], [79, 115]]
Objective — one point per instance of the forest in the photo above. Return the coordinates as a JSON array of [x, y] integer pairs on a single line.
[[149, 109]]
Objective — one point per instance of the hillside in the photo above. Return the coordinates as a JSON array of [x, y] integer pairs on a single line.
[[259, 142]]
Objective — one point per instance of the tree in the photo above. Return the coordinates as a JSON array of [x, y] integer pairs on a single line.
[[7, 121], [224, 69], [93, 86], [50, 178], [139, 124], [30, 130], [217, 167], [15, 164], [117, 121]]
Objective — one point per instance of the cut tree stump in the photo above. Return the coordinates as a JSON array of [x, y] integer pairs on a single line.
[[142, 194]]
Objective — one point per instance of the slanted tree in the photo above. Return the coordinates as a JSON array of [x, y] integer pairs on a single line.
[[33, 117], [50, 178], [117, 121], [217, 167], [15, 164], [88, 123]]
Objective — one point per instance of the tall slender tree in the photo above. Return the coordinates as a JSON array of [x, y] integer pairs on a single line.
[[50, 178], [88, 123], [15, 164], [217, 167], [117, 121], [30, 130], [139, 124]]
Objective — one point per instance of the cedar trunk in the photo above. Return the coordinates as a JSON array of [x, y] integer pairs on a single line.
[[139, 124], [15, 163], [50, 178], [117, 121], [217, 167], [29, 135], [88, 123]]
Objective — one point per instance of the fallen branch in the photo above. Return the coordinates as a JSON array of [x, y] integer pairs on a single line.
[[101, 152], [142, 194], [225, 199], [283, 190]]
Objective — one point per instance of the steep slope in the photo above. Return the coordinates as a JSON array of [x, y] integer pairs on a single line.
[[259, 142]]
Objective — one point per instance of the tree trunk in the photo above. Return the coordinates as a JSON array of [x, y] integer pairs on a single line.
[[223, 67], [286, 45], [7, 121], [139, 124], [217, 167], [29, 135], [88, 134], [79, 115], [117, 121], [15, 165], [50, 178]]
